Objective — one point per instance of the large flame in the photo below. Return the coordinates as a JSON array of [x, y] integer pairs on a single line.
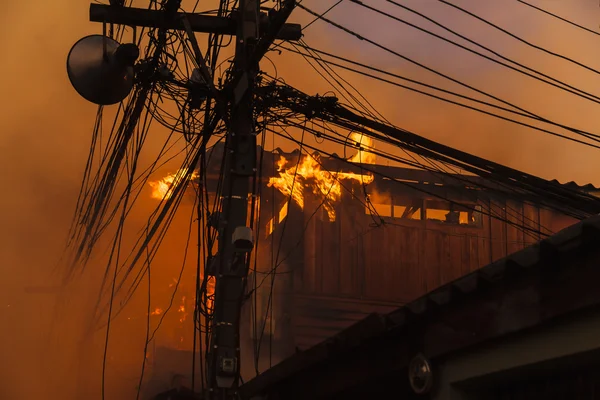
[[364, 143], [324, 184], [163, 188]]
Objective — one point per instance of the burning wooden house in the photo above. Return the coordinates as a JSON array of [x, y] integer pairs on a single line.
[[338, 241]]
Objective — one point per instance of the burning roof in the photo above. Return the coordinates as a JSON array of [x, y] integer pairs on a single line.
[[292, 173], [163, 188], [292, 177], [308, 172]]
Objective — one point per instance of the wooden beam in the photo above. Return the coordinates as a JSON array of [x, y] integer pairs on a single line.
[[199, 23]]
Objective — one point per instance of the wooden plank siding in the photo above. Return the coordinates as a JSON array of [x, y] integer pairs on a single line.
[[336, 273], [352, 260]]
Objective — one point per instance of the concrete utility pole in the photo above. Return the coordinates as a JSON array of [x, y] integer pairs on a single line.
[[254, 32], [236, 241]]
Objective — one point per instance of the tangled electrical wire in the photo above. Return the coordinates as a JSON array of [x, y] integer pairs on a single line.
[[288, 104], [114, 177]]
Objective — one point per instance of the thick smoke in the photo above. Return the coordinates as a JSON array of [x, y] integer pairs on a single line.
[[45, 133]]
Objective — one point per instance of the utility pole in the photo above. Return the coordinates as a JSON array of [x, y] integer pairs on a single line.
[[236, 240], [254, 32]]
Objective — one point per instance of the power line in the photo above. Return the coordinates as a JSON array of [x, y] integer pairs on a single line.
[[95, 211], [358, 36], [344, 93], [322, 14], [289, 137], [342, 83], [551, 81], [416, 163], [436, 170], [420, 189], [520, 39], [588, 135], [559, 17], [551, 195], [164, 214], [283, 230], [148, 312]]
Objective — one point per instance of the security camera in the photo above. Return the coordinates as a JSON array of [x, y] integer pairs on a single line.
[[243, 239]]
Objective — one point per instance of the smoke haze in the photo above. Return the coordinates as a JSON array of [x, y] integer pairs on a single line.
[[45, 132]]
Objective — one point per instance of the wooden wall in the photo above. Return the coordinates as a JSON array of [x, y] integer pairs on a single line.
[[352, 266], [332, 274]]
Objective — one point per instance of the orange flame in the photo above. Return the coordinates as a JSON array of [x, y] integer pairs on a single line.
[[364, 143], [210, 291], [308, 173], [157, 311], [163, 188], [181, 310]]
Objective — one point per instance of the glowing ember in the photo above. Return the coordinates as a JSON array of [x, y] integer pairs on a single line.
[[163, 188], [181, 310], [157, 311], [308, 173]]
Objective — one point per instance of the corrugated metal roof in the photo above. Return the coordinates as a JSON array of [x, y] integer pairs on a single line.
[[575, 186], [543, 254]]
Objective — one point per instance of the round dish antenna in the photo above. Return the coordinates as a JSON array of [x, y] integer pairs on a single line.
[[101, 69]]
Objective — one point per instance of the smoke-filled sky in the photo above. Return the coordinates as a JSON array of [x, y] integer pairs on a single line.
[[45, 129]]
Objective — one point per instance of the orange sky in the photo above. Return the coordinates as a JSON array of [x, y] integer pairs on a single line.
[[45, 126]]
